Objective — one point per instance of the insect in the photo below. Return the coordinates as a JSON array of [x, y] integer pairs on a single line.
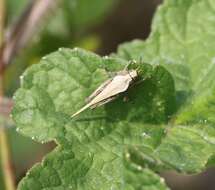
[[108, 90]]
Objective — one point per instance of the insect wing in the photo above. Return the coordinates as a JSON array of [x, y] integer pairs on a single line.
[[125, 78], [119, 84], [90, 99], [98, 90], [103, 102], [109, 90]]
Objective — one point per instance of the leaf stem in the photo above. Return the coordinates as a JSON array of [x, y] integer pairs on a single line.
[[2, 14], [6, 161], [4, 146]]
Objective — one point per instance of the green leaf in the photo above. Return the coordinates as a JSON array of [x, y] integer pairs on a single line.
[[182, 40], [163, 122], [54, 89], [137, 177]]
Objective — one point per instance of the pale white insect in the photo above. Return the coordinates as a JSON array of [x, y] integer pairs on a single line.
[[108, 90]]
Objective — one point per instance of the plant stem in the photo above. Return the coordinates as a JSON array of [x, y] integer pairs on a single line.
[[4, 147], [6, 162], [2, 14], [28, 24]]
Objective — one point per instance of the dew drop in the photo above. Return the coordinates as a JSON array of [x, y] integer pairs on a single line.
[[145, 135], [139, 167], [213, 60], [159, 103], [162, 180], [90, 154], [200, 121], [14, 97], [127, 155], [28, 173], [134, 61], [205, 138]]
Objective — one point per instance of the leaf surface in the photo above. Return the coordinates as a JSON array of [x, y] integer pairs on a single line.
[[164, 122], [182, 40]]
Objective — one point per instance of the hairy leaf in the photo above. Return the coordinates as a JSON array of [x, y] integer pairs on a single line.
[[163, 122], [182, 41], [54, 89]]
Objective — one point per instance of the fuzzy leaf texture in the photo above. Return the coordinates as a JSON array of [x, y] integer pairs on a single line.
[[165, 123]]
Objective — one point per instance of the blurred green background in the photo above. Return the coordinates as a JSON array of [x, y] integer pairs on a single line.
[[96, 25]]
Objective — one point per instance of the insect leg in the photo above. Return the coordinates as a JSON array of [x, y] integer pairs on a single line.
[[136, 83]]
